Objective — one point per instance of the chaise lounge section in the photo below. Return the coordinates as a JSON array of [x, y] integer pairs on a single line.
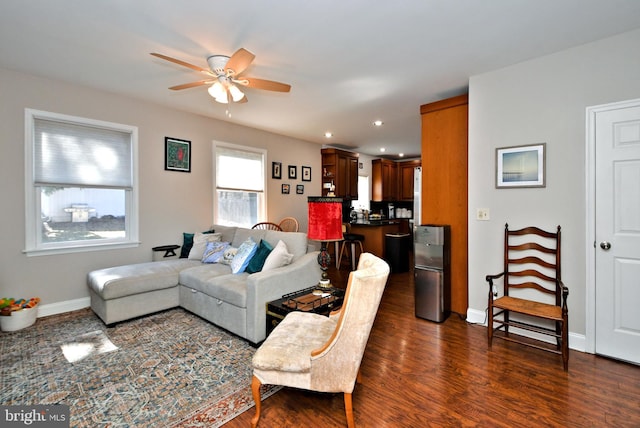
[[235, 302]]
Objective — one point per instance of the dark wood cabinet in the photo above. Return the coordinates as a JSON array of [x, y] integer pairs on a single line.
[[392, 181], [405, 179], [384, 180], [340, 168]]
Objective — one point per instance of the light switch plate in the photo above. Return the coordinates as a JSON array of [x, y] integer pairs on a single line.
[[482, 214]]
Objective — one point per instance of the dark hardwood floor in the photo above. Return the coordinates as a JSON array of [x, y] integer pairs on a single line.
[[416, 373]]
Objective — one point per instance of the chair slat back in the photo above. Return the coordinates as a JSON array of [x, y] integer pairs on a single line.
[[532, 260]]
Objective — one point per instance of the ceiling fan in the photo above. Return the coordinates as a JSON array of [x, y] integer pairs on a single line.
[[224, 76]]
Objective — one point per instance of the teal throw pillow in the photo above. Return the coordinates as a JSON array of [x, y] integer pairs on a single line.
[[214, 252], [242, 258], [187, 243], [257, 261]]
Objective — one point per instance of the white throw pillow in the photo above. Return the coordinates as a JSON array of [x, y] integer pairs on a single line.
[[278, 257], [200, 241]]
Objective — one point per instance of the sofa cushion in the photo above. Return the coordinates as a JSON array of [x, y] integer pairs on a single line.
[[200, 241], [296, 241], [227, 232], [242, 235], [127, 280], [216, 280]]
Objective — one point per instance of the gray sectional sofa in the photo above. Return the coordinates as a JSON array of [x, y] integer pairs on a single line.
[[235, 302]]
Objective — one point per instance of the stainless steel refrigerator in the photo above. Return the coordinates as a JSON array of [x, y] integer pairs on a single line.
[[432, 271]]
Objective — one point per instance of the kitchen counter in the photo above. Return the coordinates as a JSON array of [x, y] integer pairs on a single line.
[[374, 233]]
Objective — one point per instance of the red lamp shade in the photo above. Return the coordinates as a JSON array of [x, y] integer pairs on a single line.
[[325, 219]]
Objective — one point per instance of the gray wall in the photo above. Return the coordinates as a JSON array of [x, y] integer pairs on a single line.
[[170, 202], [542, 100]]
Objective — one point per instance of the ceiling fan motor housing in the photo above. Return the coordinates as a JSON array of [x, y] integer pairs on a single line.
[[217, 63]]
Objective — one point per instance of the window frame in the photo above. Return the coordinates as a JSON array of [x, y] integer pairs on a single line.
[[262, 212], [33, 242]]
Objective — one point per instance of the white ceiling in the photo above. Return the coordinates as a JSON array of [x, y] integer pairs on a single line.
[[349, 61]]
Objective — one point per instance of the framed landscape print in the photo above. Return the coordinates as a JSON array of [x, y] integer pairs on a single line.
[[177, 155], [520, 166]]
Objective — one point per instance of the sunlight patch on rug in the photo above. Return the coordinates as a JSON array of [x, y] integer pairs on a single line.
[[85, 345]]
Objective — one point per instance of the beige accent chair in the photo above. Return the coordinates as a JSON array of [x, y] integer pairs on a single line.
[[319, 353]]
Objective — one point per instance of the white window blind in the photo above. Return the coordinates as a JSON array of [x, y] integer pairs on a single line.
[[69, 154], [239, 169]]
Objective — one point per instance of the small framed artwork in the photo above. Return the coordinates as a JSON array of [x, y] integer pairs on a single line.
[[285, 189], [276, 170], [293, 172], [177, 155], [520, 166], [306, 173], [300, 189]]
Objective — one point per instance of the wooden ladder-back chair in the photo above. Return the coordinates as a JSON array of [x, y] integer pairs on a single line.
[[531, 262], [289, 224], [265, 225]]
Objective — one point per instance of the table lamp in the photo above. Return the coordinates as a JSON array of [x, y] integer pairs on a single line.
[[325, 225]]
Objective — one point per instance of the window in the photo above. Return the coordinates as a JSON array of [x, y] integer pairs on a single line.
[[362, 203], [80, 184], [240, 185]]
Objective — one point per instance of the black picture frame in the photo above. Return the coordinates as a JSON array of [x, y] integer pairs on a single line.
[[285, 189], [300, 189], [177, 154], [276, 170], [306, 173], [293, 172]]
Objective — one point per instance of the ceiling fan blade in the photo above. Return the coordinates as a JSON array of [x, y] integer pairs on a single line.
[[182, 63], [268, 85], [238, 62], [192, 85]]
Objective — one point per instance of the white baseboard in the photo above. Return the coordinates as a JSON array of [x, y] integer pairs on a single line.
[[576, 341], [62, 307]]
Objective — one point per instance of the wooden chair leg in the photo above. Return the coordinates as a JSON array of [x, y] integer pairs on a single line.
[[255, 390], [348, 408]]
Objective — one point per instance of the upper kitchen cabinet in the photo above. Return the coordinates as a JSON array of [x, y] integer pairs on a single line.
[[405, 179], [340, 168], [384, 180], [392, 181]]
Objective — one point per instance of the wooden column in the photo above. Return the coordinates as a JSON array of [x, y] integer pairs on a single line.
[[444, 183]]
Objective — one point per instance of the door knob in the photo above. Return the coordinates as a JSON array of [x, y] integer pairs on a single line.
[[605, 245]]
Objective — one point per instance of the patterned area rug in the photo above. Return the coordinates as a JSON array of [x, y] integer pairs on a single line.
[[170, 369]]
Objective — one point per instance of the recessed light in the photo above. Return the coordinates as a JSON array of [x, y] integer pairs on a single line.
[[378, 123], [382, 149], [328, 134], [401, 155]]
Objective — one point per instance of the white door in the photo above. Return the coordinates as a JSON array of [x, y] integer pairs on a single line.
[[617, 231]]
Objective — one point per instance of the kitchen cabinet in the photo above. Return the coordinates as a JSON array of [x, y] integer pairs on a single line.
[[405, 179], [444, 183], [392, 181], [384, 180], [340, 168]]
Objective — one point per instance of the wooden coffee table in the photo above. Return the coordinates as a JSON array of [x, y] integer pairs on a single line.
[[319, 300]]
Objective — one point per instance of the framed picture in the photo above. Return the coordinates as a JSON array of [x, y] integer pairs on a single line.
[[177, 155], [306, 173], [276, 170], [520, 166], [293, 172], [285, 189], [300, 189]]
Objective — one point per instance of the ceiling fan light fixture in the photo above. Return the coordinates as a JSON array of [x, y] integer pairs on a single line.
[[236, 94], [217, 91]]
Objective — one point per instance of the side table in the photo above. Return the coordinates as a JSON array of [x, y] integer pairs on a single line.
[[319, 300]]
